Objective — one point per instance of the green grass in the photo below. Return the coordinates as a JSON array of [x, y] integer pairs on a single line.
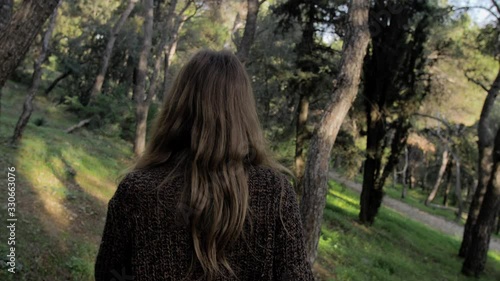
[[63, 184], [416, 198], [394, 248], [64, 181]]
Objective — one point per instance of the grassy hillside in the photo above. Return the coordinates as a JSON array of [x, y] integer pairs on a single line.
[[65, 181], [395, 248]]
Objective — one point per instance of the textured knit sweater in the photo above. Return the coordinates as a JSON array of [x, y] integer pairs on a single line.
[[143, 239]]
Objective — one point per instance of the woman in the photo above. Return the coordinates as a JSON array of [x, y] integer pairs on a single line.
[[205, 201]]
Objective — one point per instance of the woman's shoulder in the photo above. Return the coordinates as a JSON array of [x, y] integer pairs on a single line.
[[144, 179], [266, 177]]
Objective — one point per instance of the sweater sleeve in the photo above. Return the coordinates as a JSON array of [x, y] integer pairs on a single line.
[[113, 258], [290, 259]]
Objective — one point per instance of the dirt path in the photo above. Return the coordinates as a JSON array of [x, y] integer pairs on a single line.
[[435, 222]]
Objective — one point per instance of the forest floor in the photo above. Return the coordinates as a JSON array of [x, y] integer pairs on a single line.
[[433, 221]]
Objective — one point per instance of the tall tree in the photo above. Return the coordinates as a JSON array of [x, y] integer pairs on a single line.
[[485, 165], [5, 12], [17, 36], [99, 80], [170, 49], [140, 97], [305, 89], [343, 94], [6, 7], [475, 258], [310, 76], [35, 82], [393, 75], [246, 42], [485, 140], [442, 169], [167, 47], [164, 52], [163, 45]]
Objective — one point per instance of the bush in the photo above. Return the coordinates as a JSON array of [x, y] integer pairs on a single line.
[[40, 121]]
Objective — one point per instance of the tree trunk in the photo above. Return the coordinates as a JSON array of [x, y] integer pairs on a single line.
[[163, 47], [18, 35], [56, 81], [485, 147], [371, 194], [35, 82], [301, 136], [249, 33], [304, 52], [171, 48], [426, 175], [448, 187], [5, 13], [140, 86], [497, 231], [168, 56], [403, 192], [99, 80], [316, 173], [475, 258], [394, 178], [442, 169], [458, 190]]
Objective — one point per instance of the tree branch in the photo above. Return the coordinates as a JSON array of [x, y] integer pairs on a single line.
[[497, 6], [475, 81]]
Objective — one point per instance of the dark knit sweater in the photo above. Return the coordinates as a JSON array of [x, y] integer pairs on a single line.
[[143, 239]]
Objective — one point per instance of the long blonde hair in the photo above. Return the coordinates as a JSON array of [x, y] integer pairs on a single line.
[[208, 126]]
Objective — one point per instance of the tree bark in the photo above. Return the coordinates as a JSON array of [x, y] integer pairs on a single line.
[[18, 35], [304, 51], [458, 190], [140, 86], [300, 138], [170, 49], [168, 55], [485, 147], [426, 175], [5, 13], [374, 176], [344, 93], [99, 80], [249, 33], [162, 48], [475, 258], [35, 82], [497, 231], [447, 190], [407, 161], [371, 194], [442, 169]]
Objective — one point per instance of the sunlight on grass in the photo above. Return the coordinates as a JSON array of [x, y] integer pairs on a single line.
[[394, 248], [62, 177], [48, 186]]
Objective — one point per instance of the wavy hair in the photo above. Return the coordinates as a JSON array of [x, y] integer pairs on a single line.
[[209, 128]]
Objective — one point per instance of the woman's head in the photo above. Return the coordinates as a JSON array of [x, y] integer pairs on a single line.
[[209, 112], [208, 126]]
